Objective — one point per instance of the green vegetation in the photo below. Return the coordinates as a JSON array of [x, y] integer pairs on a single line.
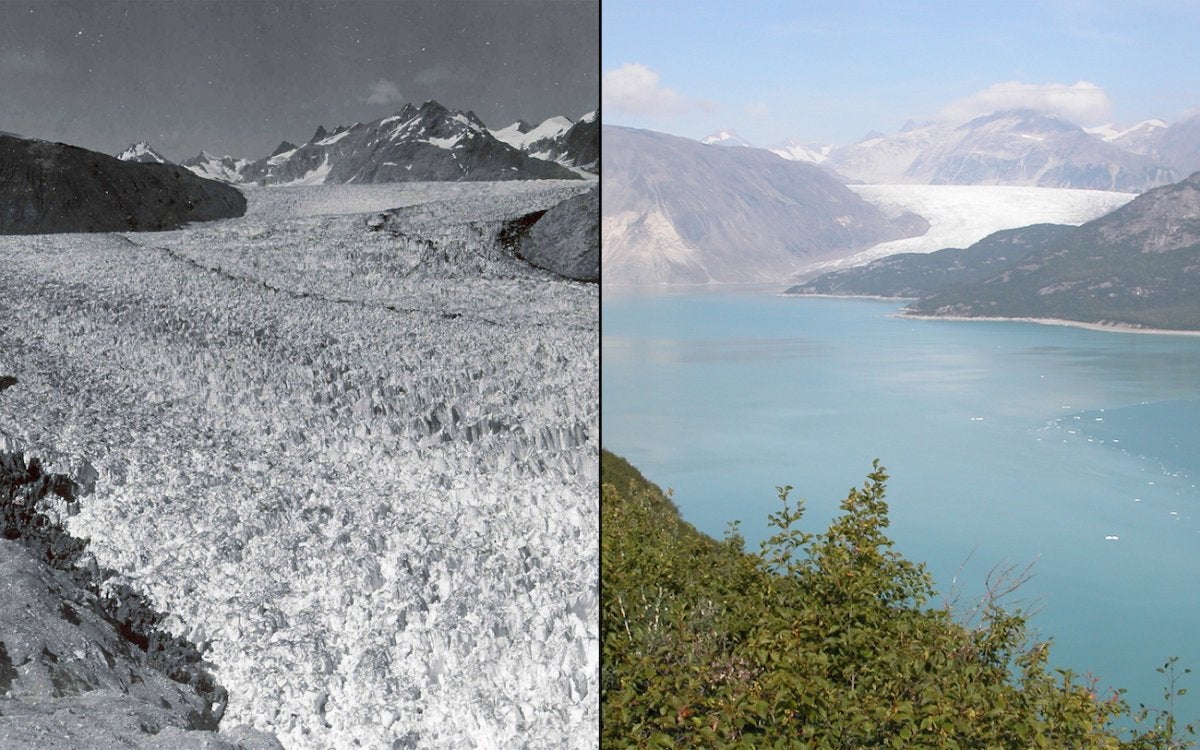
[[821, 641], [919, 275]]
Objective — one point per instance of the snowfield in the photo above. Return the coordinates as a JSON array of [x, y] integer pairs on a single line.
[[360, 466], [961, 215]]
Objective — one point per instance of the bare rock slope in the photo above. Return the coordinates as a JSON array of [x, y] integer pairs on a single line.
[[679, 211]]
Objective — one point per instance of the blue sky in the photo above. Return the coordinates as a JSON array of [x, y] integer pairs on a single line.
[[829, 72]]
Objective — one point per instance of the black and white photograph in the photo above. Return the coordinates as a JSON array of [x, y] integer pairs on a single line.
[[299, 374]]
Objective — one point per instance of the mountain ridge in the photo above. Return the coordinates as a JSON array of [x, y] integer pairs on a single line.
[[54, 187], [679, 211]]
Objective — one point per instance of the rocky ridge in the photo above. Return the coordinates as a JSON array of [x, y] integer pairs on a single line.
[[222, 168], [52, 187], [679, 211], [417, 144], [1018, 147], [558, 139]]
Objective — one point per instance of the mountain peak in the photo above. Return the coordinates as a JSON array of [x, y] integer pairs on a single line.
[[726, 137], [1024, 119], [142, 152], [430, 142]]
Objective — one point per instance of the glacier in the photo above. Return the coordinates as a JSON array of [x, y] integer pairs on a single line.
[[960, 215], [359, 467]]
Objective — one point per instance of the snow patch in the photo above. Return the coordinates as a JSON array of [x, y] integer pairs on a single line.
[[446, 143], [333, 138], [314, 176], [281, 157]]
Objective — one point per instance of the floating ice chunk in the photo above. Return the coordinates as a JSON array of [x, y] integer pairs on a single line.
[[1111, 538]]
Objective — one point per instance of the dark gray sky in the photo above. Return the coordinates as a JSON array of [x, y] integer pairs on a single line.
[[238, 77]]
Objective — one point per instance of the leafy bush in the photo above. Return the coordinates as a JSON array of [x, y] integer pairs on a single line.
[[819, 641]]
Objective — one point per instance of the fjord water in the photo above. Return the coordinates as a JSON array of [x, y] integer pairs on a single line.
[[1007, 444]]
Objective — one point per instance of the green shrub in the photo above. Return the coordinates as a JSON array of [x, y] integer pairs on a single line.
[[819, 641]]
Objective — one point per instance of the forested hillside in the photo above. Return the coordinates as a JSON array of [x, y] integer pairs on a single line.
[[822, 640]]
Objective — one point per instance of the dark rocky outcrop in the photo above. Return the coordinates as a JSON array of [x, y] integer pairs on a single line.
[[81, 669], [52, 187], [566, 239]]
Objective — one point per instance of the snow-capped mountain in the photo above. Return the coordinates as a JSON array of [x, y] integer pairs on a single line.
[[1176, 144], [813, 153], [725, 138], [1017, 147], [513, 135], [416, 144], [879, 159], [1141, 138], [223, 168], [143, 152], [523, 136], [575, 145]]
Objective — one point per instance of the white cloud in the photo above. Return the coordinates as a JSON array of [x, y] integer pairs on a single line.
[[384, 92], [633, 89], [1082, 103]]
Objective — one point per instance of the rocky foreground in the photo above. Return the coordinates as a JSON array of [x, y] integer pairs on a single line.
[[84, 664], [358, 466]]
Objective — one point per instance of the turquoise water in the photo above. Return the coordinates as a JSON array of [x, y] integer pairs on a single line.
[[1007, 444]]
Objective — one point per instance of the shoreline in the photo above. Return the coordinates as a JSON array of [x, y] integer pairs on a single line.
[[878, 297], [1110, 327], [1113, 327]]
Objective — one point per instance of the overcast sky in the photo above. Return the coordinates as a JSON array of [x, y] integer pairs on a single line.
[[829, 72], [238, 77]]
